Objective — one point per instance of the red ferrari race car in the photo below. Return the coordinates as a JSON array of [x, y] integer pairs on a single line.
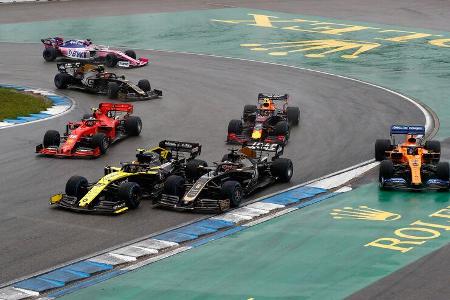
[[87, 51], [270, 121], [92, 136]]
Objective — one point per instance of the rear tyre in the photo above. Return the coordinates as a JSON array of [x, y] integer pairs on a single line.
[[386, 170], [174, 186], [131, 193], [281, 128], [144, 85], [232, 190], [110, 60], [443, 171], [282, 168], [49, 54], [76, 186], [62, 80], [131, 54], [235, 126], [293, 115], [133, 125], [194, 169], [51, 139], [381, 146], [249, 111], [434, 146], [113, 90], [101, 141]]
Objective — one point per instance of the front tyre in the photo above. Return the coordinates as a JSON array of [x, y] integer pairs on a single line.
[[144, 85], [174, 186], [52, 138], [386, 170], [293, 115], [101, 141], [110, 60], [113, 90], [77, 186], [235, 126], [443, 171], [49, 54], [232, 190], [282, 168], [62, 80], [133, 125], [131, 193], [131, 53]]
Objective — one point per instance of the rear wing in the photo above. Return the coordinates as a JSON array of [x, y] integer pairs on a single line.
[[273, 97], [267, 148], [408, 129], [106, 107], [194, 149]]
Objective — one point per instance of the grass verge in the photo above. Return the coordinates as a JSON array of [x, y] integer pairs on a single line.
[[15, 104]]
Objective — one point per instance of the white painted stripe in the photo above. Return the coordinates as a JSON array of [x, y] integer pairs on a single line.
[[155, 244], [56, 110], [265, 206], [124, 257], [343, 189], [5, 124], [156, 258], [266, 218], [134, 251], [232, 218], [340, 179], [10, 293], [248, 211], [109, 259]]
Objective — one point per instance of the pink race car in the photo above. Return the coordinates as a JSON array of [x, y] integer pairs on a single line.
[[87, 51]]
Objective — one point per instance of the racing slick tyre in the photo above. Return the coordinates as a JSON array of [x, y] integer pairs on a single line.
[[434, 146], [249, 111], [49, 54], [443, 171], [386, 170], [131, 54], [282, 168], [232, 190], [133, 125], [110, 60], [293, 115], [113, 90], [51, 138], [101, 141], [144, 85], [381, 146], [235, 126], [76, 186], [62, 80], [174, 186], [194, 168], [281, 128], [131, 193], [86, 116]]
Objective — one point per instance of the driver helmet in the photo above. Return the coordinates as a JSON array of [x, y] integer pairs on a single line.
[[411, 150], [100, 68], [411, 139], [147, 157], [267, 104], [88, 42], [90, 122]]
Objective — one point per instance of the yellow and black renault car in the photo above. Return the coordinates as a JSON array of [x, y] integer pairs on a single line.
[[122, 188]]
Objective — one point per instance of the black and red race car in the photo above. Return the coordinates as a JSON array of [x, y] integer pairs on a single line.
[[270, 121], [92, 136]]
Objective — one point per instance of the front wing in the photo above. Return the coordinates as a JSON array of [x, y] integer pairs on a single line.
[[101, 207]]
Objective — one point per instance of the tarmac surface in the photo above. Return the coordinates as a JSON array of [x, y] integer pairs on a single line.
[[34, 237]]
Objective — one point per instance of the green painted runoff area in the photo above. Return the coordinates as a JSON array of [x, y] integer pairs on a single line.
[[307, 254], [413, 61]]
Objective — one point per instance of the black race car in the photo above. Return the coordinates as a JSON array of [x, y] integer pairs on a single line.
[[241, 172], [94, 79], [122, 188]]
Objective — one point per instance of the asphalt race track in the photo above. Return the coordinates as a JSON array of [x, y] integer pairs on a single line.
[[201, 94]]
